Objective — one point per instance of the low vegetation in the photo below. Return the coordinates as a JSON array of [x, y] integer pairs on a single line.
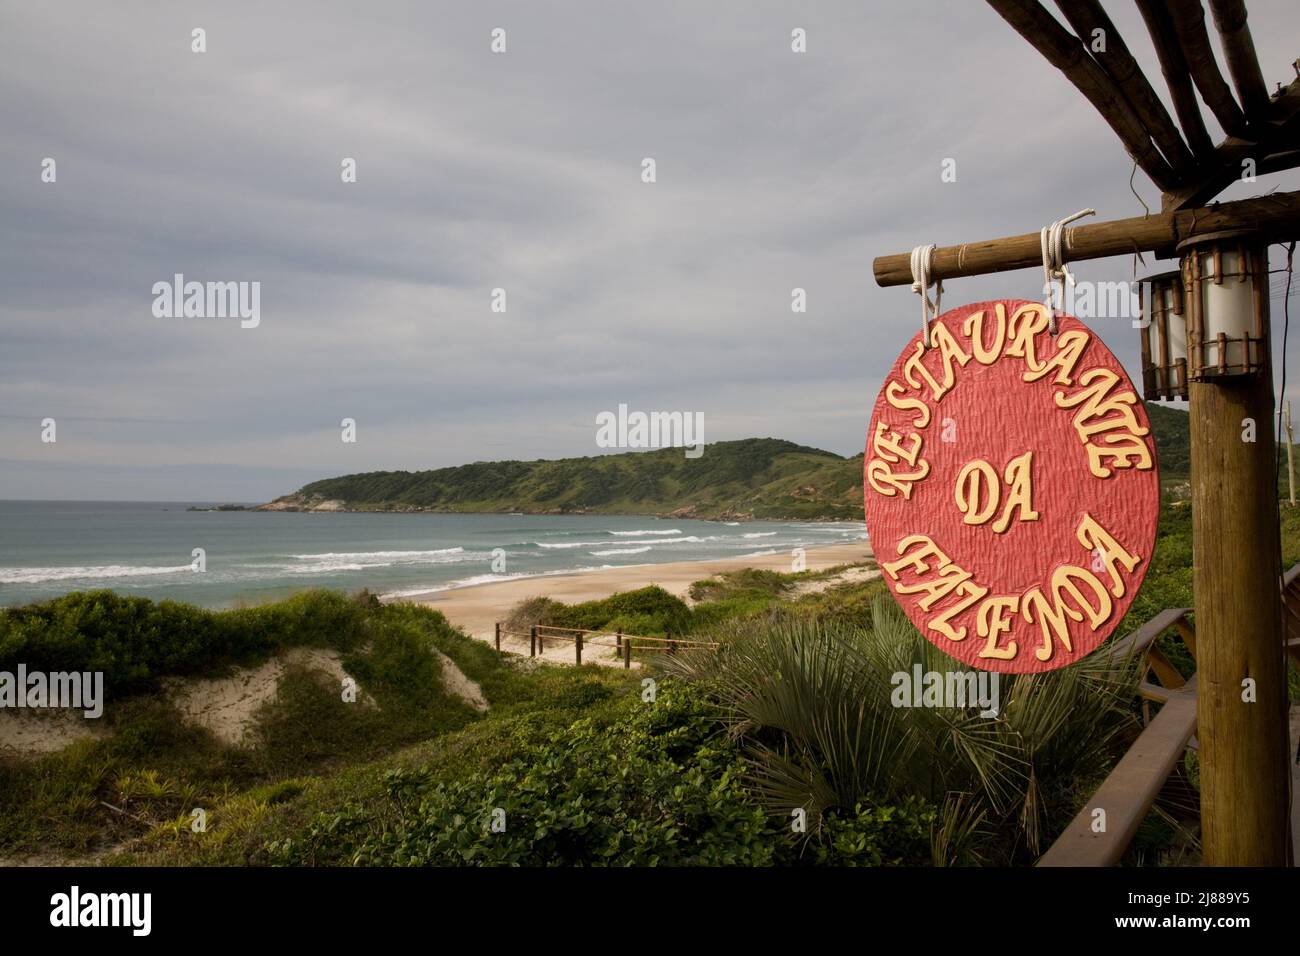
[[151, 764], [781, 748]]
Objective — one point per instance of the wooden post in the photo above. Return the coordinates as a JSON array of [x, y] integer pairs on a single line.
[[532, 641], [627, 655], [672, 647], [577, 649], [618, 640], [541, 641], [1237, 575], [1290, 454], [498, 635]]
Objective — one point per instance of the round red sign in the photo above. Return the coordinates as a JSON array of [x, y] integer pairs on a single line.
[[1010, 486]]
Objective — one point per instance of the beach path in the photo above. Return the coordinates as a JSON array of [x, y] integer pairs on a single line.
[[476, 609]]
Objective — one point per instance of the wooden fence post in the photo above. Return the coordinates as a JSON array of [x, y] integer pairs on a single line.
[[532, 641], [577, 649], [498, 635], [627, 654], [618, 640]]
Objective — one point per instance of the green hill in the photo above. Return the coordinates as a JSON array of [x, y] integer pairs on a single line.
[[750, 478], [1170, 427]]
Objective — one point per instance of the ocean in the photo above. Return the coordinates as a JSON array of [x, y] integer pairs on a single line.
[[48, 548]]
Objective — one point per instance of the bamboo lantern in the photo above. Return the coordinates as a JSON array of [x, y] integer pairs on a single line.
[[1225, 279], [1164, 338]]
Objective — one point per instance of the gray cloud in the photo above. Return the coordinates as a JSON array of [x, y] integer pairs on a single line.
[[519, 171]]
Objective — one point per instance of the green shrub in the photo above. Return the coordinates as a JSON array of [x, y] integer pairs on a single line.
[[814, 699], [653, 784], [880, 835], [651, 611], [135, 641], [66, 799], [727, 583]]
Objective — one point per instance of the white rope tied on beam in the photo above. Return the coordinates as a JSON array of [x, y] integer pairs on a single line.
[[922, 257], [1054, 262]]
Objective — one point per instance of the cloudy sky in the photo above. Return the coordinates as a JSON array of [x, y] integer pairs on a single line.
[[521, 171]]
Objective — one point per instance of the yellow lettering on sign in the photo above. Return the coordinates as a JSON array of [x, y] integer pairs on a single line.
[[889, 445], [1098, 540], [1101, 411], [1027, 322], [949, 352], [923, 557], [1069, 349], [1052, 617], [890, 450], [913, 367], [1019, 477], [947, 579], [882, 478], [895, 395], [975, 483], [1123, 451], [972, 593], [978, 493], [994, 618], [974, 329], [925, 548]]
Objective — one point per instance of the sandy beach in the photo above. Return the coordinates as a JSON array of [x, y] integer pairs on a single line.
[[477, 608]]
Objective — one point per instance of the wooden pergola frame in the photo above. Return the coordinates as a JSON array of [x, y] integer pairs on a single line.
[[1188, 172], [1183, 163], [1245, 777]]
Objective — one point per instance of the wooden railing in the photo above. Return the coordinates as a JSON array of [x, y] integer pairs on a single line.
[[1128, 793], [539, 634]]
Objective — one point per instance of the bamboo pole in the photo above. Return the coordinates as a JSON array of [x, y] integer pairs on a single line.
[[1087, 17], [1064, 51], [1273, 217], [1239, 49], [1177, 77]]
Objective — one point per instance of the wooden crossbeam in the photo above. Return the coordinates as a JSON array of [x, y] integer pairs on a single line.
[[1177, 77], [1189, 23], [1274, 217], [1087, 19], [1067, 53], [1274, 145], [1239, 49]]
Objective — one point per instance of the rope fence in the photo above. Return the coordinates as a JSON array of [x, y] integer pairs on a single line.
[[538, 634]]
